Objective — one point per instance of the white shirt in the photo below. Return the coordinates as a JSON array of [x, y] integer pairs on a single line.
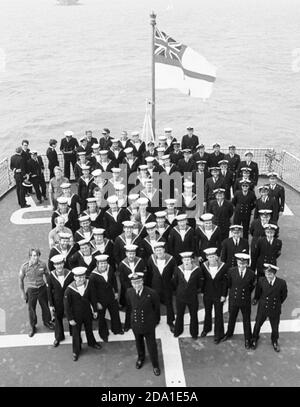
[[143, 219], [209, 233], [105, 275], [81, 289], [188, 199], [242, 273], [65, 216], [64, 253], [161, 231], [87, 259], [182, 233], [100, 247], [187, 274], [128, 240], [93, 216], [114, 214], [213, 270], [61, 280], [104, 165], [170, 217], [272, 282], [87, 235], [132, 266], [161, 264]]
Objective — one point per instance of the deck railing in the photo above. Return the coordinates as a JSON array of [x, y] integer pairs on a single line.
[[284, 163]]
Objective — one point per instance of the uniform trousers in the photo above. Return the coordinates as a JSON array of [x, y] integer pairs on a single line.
[[246, 313], [39, 186], [38, 294], [76, 337], [116, 325], [193, 310], [151, 346], [245, 222], [274, 322], [68, 160], [20, 190], [209, 303]]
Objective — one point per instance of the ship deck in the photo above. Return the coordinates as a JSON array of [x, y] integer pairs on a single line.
[[33, 361]]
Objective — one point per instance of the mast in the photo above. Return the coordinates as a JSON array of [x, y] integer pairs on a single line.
[[153, 23]]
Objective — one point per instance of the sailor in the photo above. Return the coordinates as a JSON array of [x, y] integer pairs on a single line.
[[115, 153], [148, 243], [161, 267], [52, 157], [131, 161], [90, 141], [84, 186], [190, 140], [169, 139], [162, 227], [222, 211], [98, 182], [233, 159], [266, 202], [105, 140], [68, 147], [207, 235], [83, 147], [152, 165], [32, 283], [105, 164], [150, 152], [245, 177], [120, 192], [124, 140], [172, 212], [186, 164], [116, 179], [143, 174], [268, 249], [201, 155], [241, 280], [187, 282], [250, 164], [176, 154], [77, 305], [144, 314], [227, 177], [83, 257], [215, 156], [277, 192], [214, 289], [82, 161], [271, 294], [53, 236], [66, 212], [126, 238], [244, 202], [102, 245], [65, 247], [18, 166], [36, 168], [138, 145], [189, 203], [95, 157], [234, 244], [73, 199], [104, 296], [211, 184], [94, 212], [58, 280], [181, 238], [144, 215], [152, 192], [113, 218], [85, 230], [201, 170]]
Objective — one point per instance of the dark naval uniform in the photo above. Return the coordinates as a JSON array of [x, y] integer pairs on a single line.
[[18, 166], [244, 205], [189, 142], [270, 297], [79, 260], [270, 203], [210, 185], [240, 290], [187, 295], [113, 226], [125, 270], [103, 287], [78, 308], [161, 282], [254, 170], [204, 240], [213, 288], [56, 249], [176, 244], [278, 193], [119, 251], [222, 214], [233, 162], [229, 249], [144, 313], [56, 290]]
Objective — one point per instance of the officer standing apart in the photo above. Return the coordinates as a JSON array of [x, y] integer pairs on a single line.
[[79, 311], [32, 281], [241, 281], [144, 311], [272, 292]]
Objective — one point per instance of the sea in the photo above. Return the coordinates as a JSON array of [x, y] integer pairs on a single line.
[[88, 66]]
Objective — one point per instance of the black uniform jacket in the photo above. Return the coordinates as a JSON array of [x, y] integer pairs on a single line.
[[187, 291], [57, 250], [214, 288], [56, 290], [78, 307], [271, 297], [113, 227], [78, 260], [176, 244], [144, 310], [244, 204], [125, 271], [161, 281], [119, 247], [266, 252], [240, 289], [102, 291], [204, 241], [229, 249]]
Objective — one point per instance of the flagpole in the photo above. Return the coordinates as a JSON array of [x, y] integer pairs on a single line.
[[153, 23]]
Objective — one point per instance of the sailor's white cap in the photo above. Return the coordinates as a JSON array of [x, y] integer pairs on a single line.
[[143, 201], [242, 256], [96, 172], [58, 258], [182, 216], [150, 225], [62, 200], [84, 218], [128, 224], [130, 247], [112, 199], [186, 254], [65, 185], [98, 231], [68, 133], [128, 150], [102, 257], [79, 271], [210, 251], [206, 216]]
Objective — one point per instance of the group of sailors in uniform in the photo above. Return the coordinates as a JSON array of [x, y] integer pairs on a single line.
[[119, 241]]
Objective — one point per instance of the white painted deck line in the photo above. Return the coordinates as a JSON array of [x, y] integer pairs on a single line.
[[287, 211], [17, 216]]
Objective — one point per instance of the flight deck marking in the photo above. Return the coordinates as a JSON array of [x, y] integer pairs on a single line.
[[287, 211]]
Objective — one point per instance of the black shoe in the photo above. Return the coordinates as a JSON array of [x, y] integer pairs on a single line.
[[195, 337], [75, 357], [247, 344], [105, 338], [26, 206], [96, 346], [156, 371], [40, 201], [45, 198], [254, 344], [119, 333], [49, 325], [32, 332], [172, 327], [176, 335], [226, 337], [126, 329], [55, 343], [203, 334], [254, 301], [276, 346], [139, 363]]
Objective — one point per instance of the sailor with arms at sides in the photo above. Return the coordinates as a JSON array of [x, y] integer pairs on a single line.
[[277, 192], [187, 282], [79, 311], [214, 289], [232, 245], [143, 311], [241, 281], [58, 281], [207, 235], [271, 294]]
